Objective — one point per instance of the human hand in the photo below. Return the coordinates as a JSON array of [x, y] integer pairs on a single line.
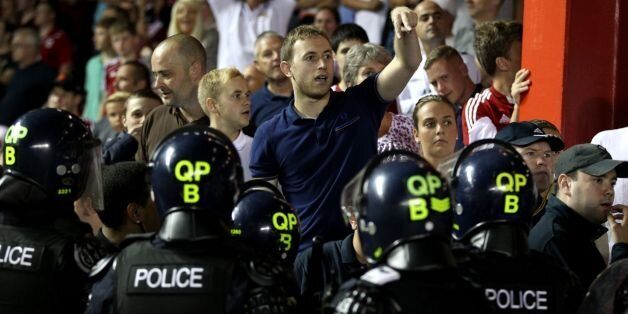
[[520, 85], [135, 132], [618, 223], [404, 20]]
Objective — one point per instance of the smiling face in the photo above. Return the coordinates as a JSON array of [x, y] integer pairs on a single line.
[[311, 67], [186, 17], [173, 82], [436, 129], [233, 104]]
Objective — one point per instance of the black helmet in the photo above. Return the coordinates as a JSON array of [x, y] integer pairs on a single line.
[[491, 184], [196, 168], [263, 220], [55, 152], [396, 197]]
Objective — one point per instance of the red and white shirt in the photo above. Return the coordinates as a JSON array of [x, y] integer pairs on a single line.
[[485, 114]]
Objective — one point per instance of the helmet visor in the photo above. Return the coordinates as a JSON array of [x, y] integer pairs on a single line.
[[350, 197], [91, 162]]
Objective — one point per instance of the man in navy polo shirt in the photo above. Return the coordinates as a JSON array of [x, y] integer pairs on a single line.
[[322, 139], [276, 93]]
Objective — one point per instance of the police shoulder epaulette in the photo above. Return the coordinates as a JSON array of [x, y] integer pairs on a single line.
[[381, 275], [136, 237], [102, 267]]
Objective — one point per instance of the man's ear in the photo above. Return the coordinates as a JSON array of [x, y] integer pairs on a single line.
[[502, 64], [211, 105], [416, 135], [195, 71], [285, 68], [564, 184], [133, 213]]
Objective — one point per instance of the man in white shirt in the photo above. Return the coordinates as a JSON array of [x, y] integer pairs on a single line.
[[615, 143], [240, 22], [225, 98], [431, 32]]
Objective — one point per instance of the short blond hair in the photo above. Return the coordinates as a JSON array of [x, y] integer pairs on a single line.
[[117, 97], [212, 83]]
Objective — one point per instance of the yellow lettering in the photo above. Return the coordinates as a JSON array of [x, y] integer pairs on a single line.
[[433, 183], [9, 155], [418, 209], [511, 204], [14, 133], [190, 193], [415, 190], [286, 239], [520, 181], [440, 205], [183, 176], [185, 171], [506, 186]]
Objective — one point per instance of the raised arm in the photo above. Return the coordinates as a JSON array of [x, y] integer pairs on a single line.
[[398, 72]]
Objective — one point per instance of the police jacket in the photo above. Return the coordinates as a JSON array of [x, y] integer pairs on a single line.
[[150, 275], [428, 288], [43, 263], [527, 283], [568, 237], [337, 265]]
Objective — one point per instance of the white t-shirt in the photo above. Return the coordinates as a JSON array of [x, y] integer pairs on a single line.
[[243, 144], [238, 27], [419, 84], [615, 143]]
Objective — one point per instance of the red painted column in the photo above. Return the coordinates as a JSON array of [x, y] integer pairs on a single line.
[[577, 52]]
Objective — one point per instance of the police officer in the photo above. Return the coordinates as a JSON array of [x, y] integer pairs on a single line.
[[51, 160], [404, 218], [494, 194], [265, 222], [190, 265]]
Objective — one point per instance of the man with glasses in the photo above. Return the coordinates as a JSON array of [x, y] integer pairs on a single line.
[[537, 149]]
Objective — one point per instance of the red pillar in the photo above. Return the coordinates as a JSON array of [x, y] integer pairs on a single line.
[[577, 51]]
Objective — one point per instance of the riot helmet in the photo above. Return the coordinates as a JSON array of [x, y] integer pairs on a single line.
[[263, 220], [52, 154], [491, 184], [196, 168], [397, 197]]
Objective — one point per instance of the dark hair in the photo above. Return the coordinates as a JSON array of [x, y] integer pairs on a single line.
[[141, 71], [349, 31], [331, 9], [493, 40], [106, 22], [145, 93], [123, 183], [544, 124], [441, 52], [121, 26], [426, 100]]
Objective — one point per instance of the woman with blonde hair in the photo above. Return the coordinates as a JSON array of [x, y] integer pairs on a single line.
[[194, 18]]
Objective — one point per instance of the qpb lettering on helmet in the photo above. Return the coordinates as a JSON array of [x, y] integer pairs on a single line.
[[421, 186], [511, 183], [186, 171], [285, 222], [14, 133]]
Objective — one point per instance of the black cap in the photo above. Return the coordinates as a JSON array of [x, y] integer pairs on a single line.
[[526, 133], [70, 85], [591, 159]]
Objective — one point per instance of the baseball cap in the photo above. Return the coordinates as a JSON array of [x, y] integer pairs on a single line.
[[591, 159], [526, 133]]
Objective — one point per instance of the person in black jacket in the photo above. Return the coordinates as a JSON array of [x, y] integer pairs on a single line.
[[191, 265], [586, 175], [51, 160], [495, 194]]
